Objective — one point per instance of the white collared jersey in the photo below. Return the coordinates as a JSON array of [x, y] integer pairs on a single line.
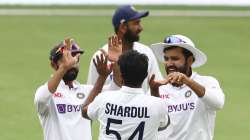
[[128, 114], [153, 67], [60, 112], [192, 117]]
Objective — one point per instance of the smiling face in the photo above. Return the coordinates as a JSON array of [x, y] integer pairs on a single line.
[[175, 61]]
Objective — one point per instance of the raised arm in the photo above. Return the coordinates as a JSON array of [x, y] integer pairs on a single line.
[[44, 93], [103, 71]]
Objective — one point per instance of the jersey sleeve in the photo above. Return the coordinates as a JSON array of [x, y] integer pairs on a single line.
[[214, 97], [164, 118], [42, 99], [94, 107]]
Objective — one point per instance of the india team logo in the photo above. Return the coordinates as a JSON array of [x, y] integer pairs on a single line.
[[80, 95], [188, 93]]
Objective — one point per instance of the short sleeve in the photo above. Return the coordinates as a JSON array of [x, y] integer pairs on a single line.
[[94, 107], [42, 98], [164, 118]]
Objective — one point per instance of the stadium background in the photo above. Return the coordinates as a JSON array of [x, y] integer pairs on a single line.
[[25, 42]]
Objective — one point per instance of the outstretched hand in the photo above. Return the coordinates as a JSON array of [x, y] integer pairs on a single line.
[[155, 84], [68, 61], [100, 63], [114, 48]]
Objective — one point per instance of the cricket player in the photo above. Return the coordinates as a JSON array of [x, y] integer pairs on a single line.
[[127, 26], [58, 101], [128, 113], [192, 99]]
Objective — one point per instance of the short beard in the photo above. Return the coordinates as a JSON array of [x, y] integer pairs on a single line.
[[131, 37], [70, 75], [182, 69]]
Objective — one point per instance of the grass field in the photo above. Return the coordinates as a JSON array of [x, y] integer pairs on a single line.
[[25, 42]]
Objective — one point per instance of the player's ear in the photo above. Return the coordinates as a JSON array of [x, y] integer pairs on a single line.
[[190, 60], [54, 65], [123, 28]]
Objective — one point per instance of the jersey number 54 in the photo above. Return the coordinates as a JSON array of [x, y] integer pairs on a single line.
[[139, 129]]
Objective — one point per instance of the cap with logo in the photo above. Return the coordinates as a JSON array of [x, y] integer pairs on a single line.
[[127, 13], [56, 52]]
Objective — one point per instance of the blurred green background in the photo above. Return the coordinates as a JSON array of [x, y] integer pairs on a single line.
[[25, 42]]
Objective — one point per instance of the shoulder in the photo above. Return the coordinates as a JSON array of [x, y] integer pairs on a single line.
[[206, 79], [165, 88], [138, 44], [142, 48], [42, 88], [145, 50], [152, 99], [107, 93]]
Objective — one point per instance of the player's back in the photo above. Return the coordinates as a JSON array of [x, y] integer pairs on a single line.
[[129, 114]]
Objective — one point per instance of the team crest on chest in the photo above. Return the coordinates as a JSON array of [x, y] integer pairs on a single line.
[[80, 95], [188, 93]]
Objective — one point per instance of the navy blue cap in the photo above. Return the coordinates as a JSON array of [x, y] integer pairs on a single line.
[[56, 54], [126, 13]]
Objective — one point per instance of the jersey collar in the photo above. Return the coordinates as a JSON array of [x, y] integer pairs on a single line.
[[75, 85], [193, 75], [132, 90]]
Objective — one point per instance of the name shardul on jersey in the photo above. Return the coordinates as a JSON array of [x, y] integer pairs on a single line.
[[126, 111]]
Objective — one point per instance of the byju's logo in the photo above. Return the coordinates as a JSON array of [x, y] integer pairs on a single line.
[[61, 108]]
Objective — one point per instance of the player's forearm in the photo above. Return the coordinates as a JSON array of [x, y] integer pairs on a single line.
[[96, 89], [55, 79], [155, 92], [117, 79], [213, 97], [196, 87], [94, 92]]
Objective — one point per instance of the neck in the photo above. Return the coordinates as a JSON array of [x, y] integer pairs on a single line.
[[127, 45], [189, 72], [69, 83]]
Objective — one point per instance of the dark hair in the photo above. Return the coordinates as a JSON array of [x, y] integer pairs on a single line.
[[134, 68], [185, 52], [54, 55]]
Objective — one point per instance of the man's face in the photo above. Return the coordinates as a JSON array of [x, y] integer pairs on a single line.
[[175, 61], [134, 28]]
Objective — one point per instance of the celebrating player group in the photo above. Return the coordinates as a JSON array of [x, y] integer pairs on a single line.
[[125, 90]]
